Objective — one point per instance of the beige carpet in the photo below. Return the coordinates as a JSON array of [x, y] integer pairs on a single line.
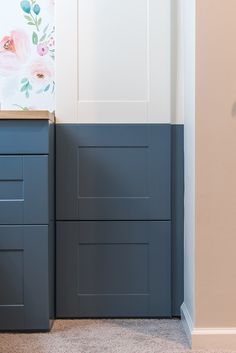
[[102, 336]]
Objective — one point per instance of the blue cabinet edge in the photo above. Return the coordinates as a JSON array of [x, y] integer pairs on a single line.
[[177, 206]]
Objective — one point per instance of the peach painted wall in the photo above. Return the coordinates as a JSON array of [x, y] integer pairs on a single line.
[[215, 163]]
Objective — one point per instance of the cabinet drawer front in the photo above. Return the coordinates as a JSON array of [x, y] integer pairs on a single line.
[[113, 269], [24, 277], [24, 137], [113, 172], [23, 189]]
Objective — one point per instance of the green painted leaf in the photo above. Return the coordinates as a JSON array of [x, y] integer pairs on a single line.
[[39, 21], [46, 88], [29, 86], [24, 80], [24, 88], [43, 38], [35, 38], [31, 23], [27, 94], [28, 18], [46, 28]]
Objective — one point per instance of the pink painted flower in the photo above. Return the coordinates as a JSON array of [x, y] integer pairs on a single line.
[[42, 49], [14, 51], [51, 43], [41, 72]]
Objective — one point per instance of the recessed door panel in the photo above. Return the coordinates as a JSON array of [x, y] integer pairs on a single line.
[[113, 269], [113, 172], [24, 277]]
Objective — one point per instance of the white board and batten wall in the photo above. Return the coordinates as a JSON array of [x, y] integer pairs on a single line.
[[113, 61]]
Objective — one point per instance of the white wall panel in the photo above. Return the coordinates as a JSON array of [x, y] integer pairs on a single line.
[[117, 62], [113, 56]]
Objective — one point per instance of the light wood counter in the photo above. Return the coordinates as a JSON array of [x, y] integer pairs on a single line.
[[26, 115]]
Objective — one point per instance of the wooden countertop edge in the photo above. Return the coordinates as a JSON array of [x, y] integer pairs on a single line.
[[26, 115]]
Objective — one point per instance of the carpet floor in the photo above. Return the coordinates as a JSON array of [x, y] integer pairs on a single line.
[[102, 336]]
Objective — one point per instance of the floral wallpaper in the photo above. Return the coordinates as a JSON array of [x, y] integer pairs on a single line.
[[27, 54]]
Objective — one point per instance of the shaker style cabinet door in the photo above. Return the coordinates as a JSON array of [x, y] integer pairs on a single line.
[[113, 269], [113, 172], [118, 69], [24, 278], [23, 189]]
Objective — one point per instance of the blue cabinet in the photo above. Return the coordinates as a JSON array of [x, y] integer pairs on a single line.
[[26, 225], [113, 172], [113, 269], [119, 220]]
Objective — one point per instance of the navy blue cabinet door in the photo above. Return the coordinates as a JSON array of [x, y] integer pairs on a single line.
[[113, 172], [113, 269], [24, 279], [24, 190]]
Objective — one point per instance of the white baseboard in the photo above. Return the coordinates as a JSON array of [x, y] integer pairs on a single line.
[[207, 338], [187, 322]]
